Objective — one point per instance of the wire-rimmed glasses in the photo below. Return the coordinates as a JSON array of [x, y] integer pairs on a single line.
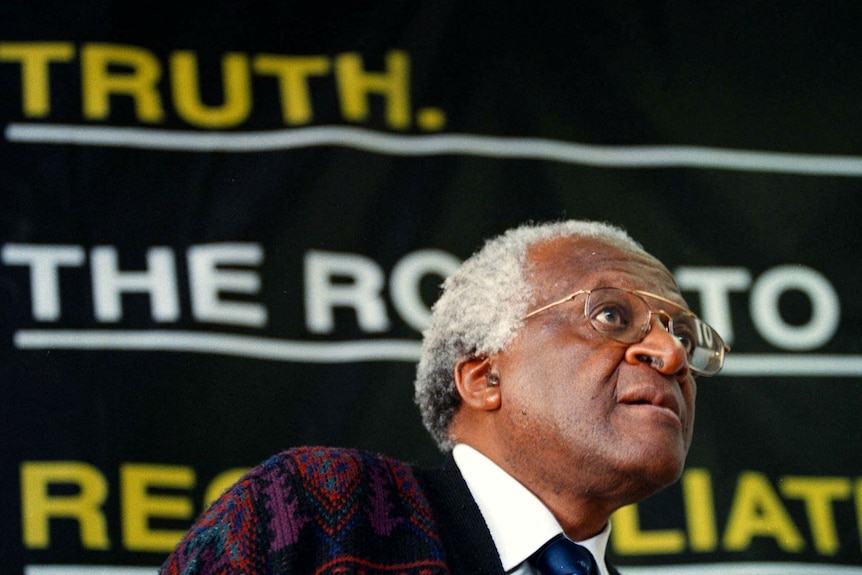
[[624, 315]]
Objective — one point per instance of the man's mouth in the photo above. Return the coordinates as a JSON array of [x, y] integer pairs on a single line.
[[651, 396]]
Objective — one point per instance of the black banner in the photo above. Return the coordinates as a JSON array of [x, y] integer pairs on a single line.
[[222, 228]]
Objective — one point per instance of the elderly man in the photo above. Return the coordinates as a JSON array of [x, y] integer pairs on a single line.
[[557, 374]]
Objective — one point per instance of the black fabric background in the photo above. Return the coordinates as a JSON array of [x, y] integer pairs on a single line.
[[754, 77]]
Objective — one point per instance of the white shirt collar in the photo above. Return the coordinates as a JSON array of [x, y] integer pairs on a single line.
[[518, 521]]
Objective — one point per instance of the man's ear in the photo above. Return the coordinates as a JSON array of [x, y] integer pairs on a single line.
[[477, 384]]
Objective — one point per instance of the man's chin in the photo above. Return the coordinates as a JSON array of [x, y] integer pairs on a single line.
[[658, 469]]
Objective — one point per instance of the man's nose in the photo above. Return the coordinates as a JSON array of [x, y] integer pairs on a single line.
[[660, 349]]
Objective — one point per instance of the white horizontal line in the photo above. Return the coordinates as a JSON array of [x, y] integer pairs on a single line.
[[222, 344], [696, 569], [745, 365], [793, 364], [439, 144]]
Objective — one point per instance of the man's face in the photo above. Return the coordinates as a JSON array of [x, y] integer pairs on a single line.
[[583, 411]]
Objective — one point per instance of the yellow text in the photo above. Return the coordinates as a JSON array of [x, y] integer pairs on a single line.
[[159, 88]]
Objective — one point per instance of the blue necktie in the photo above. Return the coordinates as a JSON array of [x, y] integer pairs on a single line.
[[562, 556]]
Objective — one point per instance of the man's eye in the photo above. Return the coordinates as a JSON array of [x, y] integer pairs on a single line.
[[686, 335], [611, 316]]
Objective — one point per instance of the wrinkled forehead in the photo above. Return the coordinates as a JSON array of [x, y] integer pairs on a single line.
[[564, 265]]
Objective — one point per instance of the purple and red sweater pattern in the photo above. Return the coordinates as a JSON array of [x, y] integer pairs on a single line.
[[316, 511]]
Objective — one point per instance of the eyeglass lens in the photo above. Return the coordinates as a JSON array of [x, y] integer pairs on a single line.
[[625, 317]]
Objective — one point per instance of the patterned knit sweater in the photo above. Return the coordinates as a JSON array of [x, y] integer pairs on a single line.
[[316, 511]]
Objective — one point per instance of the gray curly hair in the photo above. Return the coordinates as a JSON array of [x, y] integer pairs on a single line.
[[480, 311]]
